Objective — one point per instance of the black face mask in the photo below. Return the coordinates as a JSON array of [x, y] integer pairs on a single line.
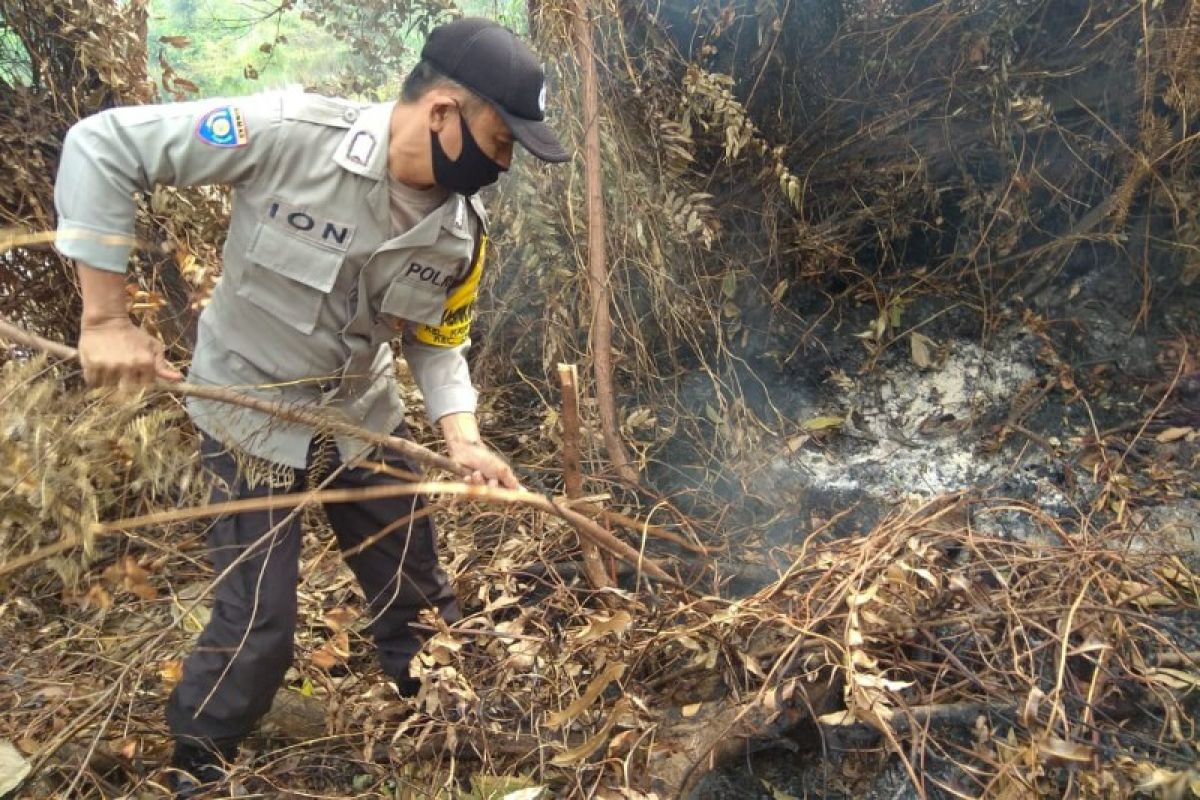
[[471, 172]]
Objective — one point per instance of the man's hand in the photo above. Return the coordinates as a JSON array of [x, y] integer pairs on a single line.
[[463, 445], [112, 350], [487, 467], [116, 352]]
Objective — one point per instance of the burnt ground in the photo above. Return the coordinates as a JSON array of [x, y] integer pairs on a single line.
[[1057, 400]]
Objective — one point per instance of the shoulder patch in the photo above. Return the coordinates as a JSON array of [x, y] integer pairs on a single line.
[[361, 148], [223, 127]]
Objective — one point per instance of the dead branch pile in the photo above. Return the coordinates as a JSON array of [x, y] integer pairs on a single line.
[[70, 461], [988, 667]]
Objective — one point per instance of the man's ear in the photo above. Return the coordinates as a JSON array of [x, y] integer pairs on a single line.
[[441, 104]]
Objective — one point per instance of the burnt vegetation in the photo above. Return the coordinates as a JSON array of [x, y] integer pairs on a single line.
[[815, 212]]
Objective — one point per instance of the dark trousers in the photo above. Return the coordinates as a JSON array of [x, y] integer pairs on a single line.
[[239, 662]]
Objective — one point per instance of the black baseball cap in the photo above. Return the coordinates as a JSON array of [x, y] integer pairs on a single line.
[[492, 62]]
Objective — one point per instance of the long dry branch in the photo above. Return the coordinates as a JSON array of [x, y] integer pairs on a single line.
[[586, 527]]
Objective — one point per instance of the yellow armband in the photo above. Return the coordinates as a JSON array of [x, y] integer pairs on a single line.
[[460, 307]]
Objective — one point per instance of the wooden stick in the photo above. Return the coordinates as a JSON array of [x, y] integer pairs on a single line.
[[613, 545], [583, 525], [586, 527], [900, 720], [593, 566], [572, 471], [559, 507], [601, 327], [639, 527]]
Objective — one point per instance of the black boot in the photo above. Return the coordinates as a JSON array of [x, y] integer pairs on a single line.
[[199, 766], [407, 686]]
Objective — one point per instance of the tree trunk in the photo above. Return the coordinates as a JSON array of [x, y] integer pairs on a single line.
[[601, 326]]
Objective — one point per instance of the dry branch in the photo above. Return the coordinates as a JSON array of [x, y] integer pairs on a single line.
[[287, 413], [593, 566], [723, 732], [586, 527]]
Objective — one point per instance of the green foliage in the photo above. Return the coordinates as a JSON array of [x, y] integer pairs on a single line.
[[15, 66], [226, 47], [229, 48]]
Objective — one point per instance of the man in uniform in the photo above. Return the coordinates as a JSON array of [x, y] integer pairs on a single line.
[[352, 225]]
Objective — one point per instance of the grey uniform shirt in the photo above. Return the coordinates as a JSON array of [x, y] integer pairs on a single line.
[[315, 281]]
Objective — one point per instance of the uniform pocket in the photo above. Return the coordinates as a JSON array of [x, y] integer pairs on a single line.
[[405, 301], [288, 277]]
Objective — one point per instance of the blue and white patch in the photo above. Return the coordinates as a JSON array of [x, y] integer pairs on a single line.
[[223, 127]]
